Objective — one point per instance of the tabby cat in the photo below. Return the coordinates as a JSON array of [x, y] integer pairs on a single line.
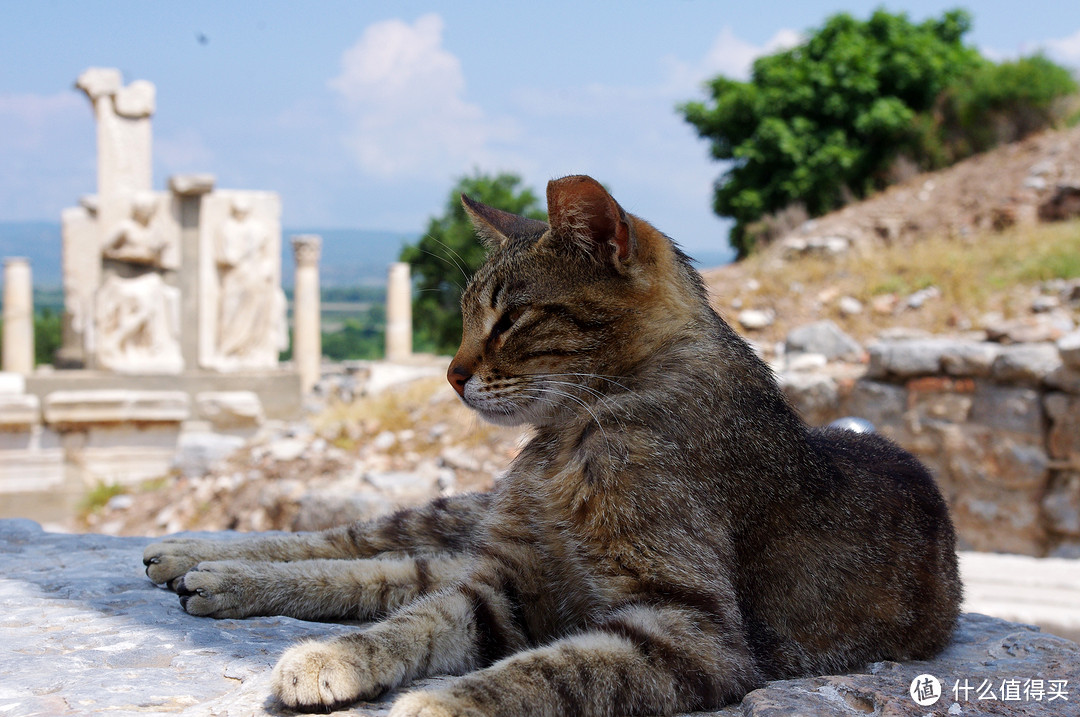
[[672, 537]]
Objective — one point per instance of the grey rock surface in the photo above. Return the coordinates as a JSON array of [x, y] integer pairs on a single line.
[[83, 632], [825, 338], [907, 358]]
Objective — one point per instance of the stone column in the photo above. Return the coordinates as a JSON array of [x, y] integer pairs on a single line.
[[398, 313], [188, 191], [307, 327], [18, 354]]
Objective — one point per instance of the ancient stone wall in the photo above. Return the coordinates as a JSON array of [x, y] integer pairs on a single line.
[[999, 425]]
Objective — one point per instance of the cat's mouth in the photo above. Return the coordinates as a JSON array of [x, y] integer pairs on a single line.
[[497, 406], [500, 417]]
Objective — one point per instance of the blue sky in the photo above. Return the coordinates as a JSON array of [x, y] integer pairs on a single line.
[[361, 114]]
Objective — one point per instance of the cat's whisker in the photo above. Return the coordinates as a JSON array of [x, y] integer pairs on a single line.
[[544, 389], [600, 396], [602, 377], [443, 258], [459, 261]]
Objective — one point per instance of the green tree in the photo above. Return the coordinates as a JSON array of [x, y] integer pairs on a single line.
[[825, 121], [448, 253], [47, 335], [358, 338]]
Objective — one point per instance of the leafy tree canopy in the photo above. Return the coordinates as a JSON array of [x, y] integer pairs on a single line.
[[449, 252], [825, 121]]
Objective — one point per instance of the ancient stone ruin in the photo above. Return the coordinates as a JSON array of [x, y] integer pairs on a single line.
[[168, 281], [174, 318]]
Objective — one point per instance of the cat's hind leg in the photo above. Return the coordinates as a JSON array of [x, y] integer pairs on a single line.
[[642, 660], [315, 589]]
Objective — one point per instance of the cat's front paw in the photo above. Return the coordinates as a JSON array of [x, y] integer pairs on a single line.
[[432, 704], [320, 676], [170, 558], [221, 589]]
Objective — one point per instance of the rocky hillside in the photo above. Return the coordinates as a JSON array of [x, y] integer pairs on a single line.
[[910, 257]]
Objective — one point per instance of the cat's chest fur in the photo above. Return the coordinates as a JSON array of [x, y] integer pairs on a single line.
[[599, 495]]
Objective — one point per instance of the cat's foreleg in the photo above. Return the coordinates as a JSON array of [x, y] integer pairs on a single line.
[[444, 524], [642, 660], [315, 589], [450, 632]]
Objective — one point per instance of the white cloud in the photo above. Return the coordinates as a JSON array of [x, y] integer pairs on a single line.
[[406, 96], [29, 121], [1066, 49]]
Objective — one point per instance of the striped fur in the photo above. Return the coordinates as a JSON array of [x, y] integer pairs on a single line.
[[673, 535]]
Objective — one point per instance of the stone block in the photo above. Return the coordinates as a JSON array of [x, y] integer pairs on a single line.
[[31, 461], [825, 338], [815, 396], [1008, 408], [993, 481], [934, 398], [121, 453], [279, 390], [230, 409], [882, 404], [116, 406], [969, 358], [198, 451], [1069, 348], [1026, 363], [1064, 379], [192, 184], [1063, 439], [907, 358], [12, 383], [756, 319], [1061, 504], [19, 411]]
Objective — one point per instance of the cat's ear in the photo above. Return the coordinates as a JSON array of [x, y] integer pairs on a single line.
[[495, 227], [580, 209]]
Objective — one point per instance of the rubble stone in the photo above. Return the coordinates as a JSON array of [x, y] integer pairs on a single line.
[[1026, 363], [825, 338], [1069, 348], [907, 358]]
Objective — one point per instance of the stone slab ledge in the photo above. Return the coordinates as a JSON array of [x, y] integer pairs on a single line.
[[84, 632]]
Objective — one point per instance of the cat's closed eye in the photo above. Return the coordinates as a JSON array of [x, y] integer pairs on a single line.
[[508, 319]]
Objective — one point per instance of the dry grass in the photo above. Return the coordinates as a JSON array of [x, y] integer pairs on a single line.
[[993, 272], [419, 406]]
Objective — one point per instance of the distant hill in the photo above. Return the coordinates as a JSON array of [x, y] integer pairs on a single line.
[[40, 243], [349, 256]]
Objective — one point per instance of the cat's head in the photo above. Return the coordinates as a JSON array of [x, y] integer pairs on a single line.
[[563, 313]]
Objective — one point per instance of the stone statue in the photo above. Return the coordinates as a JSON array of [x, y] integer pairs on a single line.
[[251, 306], [135, 239], [137, 325]]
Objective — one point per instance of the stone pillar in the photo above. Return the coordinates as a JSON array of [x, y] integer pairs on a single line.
[[398, 313], [188, 191], [81, 261], [307, 327], [18, 354]]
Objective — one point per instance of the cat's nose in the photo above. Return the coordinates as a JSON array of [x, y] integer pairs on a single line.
[[458, 376]]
